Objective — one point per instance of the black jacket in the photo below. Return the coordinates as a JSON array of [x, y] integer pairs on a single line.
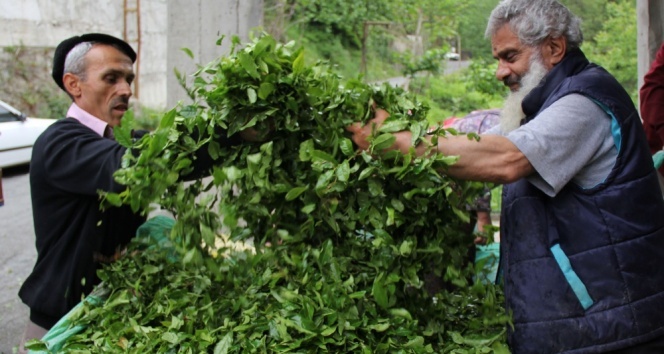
[[70, 165]]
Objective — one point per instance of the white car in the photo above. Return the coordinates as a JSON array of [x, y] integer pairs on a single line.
[[17, 135], [452, 56]]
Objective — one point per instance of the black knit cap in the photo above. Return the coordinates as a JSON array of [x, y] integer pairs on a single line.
[[65, 46]]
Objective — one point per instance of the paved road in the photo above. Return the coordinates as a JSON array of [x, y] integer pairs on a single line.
[[17, 254], [450, 67]]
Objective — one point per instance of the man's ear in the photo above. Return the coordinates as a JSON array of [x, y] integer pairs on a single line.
[[72, 84], [554, 50]]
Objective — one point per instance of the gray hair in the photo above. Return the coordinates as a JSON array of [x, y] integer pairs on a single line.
[[75, 60], [536, 20]]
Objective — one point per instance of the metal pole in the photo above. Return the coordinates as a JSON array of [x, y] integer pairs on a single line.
[[363, 67]]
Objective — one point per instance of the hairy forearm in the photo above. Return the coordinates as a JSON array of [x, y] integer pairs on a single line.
[[492, 159]]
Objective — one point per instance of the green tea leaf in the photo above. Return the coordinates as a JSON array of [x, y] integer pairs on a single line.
[[168, 120], [295, 192], [346, 146], [224, 345], [248, 64], [188, 51], [393, 126], [298, 63], [265, 90], [379, 292], [170, 337], [383, 141], [343, 171], [251, 94]]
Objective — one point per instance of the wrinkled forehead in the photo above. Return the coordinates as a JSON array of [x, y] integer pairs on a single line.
[[505, 39]]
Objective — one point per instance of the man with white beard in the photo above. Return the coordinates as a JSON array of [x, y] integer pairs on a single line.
[[512, 113], [582, 236]]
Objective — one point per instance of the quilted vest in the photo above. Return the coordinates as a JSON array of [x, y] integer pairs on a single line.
[[583, 270]]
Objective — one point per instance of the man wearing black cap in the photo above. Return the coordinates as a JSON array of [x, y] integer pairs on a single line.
[[71, 161]]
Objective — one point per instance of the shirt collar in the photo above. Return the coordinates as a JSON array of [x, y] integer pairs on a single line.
[[97, 125]]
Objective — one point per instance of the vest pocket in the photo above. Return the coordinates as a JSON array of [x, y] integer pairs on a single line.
[[573, 279]]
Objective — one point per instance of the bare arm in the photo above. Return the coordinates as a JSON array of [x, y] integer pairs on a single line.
[[492, 159]]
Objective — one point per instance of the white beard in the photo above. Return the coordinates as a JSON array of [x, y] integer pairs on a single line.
[[512, 113]]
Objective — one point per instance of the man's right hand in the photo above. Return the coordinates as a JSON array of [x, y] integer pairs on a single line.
[[362, 132]]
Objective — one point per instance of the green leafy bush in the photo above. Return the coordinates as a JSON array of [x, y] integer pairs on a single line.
[[353, 251], [346, 60], [431, 62], [451, 94], [458, 94], [27, 84], [143, 117], [481, 77]]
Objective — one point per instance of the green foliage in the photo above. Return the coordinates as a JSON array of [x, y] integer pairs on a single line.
[[368, 250], [471, 27], [496, 199], [481, 77], [344, 18], [434, 20], [143, 117], [592, 12], [345, 60], [334, 30], [27, 84], [293, 298], [614, 46], [456, 95], [432, 62]]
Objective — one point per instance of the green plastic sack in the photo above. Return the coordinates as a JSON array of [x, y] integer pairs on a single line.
[[490, 255], [56, 337], [154, 233], [658, 158]]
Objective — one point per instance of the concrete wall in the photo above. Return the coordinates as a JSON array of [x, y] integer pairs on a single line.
[[166, 26], [44, 23], [152, 89], [197, 25]]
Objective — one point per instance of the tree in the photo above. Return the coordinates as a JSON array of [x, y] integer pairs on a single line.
[[472, 24], [614, 46], [592, 13], [433, 20]]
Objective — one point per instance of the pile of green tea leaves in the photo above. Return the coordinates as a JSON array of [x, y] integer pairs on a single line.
[[353, 251]]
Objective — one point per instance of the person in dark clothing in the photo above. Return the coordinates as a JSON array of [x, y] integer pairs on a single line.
[[72, 161], [582, 235], [651, 99]]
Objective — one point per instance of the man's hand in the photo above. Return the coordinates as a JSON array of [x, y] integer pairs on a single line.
[[361, 133], [251, 135], [254, 135]]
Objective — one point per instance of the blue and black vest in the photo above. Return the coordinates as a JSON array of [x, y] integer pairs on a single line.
[[583, 270]]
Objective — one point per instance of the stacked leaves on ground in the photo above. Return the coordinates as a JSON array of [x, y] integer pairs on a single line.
[[353, 251]]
